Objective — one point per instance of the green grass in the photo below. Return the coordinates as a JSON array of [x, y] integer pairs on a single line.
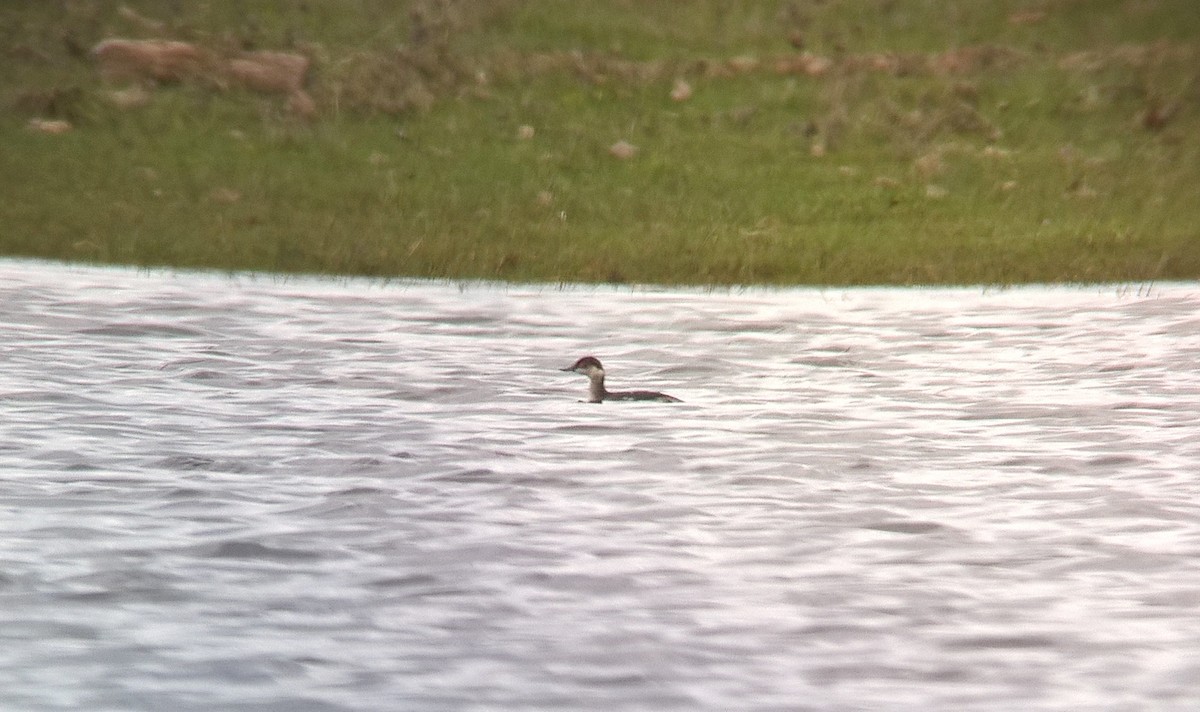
[[1025, 169]]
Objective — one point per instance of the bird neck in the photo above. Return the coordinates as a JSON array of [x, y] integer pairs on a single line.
[[596, 388]]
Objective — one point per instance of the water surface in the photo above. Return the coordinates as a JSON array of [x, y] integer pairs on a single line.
[[222, 492]]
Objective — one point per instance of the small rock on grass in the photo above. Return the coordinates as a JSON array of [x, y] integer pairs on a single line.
[[623, 150], [49, 126]]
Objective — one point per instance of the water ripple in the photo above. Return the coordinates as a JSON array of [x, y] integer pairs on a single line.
[[248, 492]]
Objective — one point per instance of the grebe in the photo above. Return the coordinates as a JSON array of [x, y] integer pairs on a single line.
[[590, 367]]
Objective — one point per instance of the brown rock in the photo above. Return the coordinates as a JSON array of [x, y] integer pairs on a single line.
[[269, 72], [623, 150], [159, 60], [49, 126], [682, 91], [300, 104], [806, 63]]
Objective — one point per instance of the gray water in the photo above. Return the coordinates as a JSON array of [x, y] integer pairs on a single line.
[[244, 492]]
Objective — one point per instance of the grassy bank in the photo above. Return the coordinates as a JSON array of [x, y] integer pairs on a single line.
[[852, 142]]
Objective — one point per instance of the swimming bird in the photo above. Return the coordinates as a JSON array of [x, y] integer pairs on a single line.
[[590, 367]]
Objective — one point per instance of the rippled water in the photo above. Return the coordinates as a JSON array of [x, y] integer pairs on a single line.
[[243, 492]]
